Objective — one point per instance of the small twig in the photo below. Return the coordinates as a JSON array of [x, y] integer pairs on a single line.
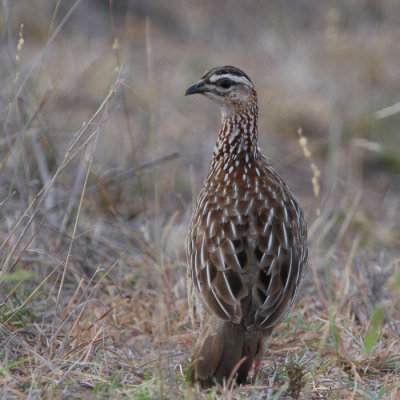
[[44, 173], [73, 196], [7, 198], [233, 372], [133, 171], [271, 382], [161, 358], [98, 319]]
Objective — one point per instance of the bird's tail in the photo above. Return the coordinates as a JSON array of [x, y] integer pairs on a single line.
[[224, 349]]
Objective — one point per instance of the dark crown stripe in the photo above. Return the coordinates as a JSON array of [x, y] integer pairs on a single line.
[[227, 69]]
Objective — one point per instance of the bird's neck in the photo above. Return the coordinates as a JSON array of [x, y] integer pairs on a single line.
[[239, 132]]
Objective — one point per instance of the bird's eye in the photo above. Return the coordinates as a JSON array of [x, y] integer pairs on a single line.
[[225, 83]]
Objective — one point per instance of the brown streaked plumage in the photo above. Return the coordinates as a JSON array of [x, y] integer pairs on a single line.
[[247, 243]]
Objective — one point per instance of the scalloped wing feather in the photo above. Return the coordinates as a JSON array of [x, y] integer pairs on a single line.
[[247, 258]]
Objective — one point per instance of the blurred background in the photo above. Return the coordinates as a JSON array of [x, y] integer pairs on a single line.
[[330, 69], [97, 187]]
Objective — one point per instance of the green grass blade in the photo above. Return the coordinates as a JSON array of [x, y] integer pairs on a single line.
[[375, 325]]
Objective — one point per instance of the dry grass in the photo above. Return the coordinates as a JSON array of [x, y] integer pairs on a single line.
[[101, 158]]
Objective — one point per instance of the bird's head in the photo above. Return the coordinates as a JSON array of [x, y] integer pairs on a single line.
[[228, 86]]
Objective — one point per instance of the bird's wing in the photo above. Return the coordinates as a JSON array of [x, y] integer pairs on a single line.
[[213, 260], [247, 254]]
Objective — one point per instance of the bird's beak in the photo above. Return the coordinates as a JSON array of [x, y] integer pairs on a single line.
[[198, 87]]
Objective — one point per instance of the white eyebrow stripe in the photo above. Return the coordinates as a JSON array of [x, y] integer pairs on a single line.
[[233, 78]]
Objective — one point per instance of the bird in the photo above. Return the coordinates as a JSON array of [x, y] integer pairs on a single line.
[[247, 242]]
